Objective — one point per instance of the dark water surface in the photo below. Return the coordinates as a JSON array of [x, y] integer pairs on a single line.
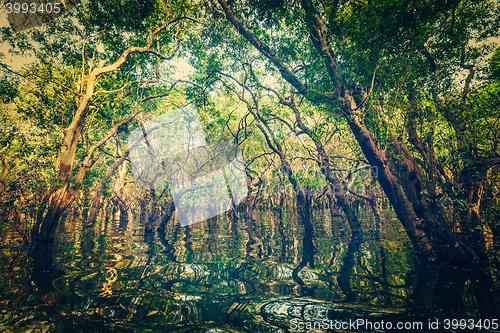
[[235, 274]]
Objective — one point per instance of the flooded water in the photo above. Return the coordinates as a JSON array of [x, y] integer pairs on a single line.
[[235, 274]]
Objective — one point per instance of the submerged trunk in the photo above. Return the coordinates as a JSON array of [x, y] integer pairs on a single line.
[[96, 208], [45, 229], [86, 203], [337, 185], [404, 209], [472, 233], [346, 270]]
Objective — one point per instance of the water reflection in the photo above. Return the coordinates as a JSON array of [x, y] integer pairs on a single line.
[[257, 273]]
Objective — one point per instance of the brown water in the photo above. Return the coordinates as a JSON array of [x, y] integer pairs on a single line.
[[266, 274]]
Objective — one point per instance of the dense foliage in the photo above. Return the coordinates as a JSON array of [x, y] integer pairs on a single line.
[[333, 103]]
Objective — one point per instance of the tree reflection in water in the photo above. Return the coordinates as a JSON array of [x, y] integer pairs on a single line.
[[227, 274]]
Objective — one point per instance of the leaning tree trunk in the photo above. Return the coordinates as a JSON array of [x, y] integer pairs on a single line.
[[45, 229], [64, 195]]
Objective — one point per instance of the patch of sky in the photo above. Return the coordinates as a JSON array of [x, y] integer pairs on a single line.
[[178, 69]]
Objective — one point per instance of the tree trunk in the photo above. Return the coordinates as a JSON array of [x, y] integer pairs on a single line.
[[65, 194], [58, 202], [96, 208], [402, 206], [86, 203], [472, 234], [338, 185]]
